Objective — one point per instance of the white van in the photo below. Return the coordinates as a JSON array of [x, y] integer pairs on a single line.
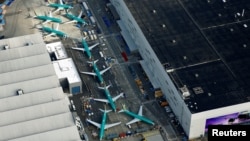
[[95, 37], [72, 105], [91, 37]]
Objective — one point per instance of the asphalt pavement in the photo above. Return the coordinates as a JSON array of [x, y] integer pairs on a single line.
[[119, 77]]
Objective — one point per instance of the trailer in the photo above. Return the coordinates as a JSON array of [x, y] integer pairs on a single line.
[[92, 20], [84, 4]]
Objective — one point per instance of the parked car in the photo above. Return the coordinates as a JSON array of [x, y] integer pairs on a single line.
[[167, 109], [171, 115]]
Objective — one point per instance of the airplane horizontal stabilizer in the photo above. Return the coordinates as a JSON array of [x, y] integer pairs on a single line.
[[105, 111], [73, 21], [51, 34], [103, 88], [46, 21], [92, 62], [121, 111], [56, 10]]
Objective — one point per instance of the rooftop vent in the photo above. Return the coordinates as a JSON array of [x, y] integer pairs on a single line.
[[163, 25], [170, 70], [192, 105], [154, 11], [245, 25], [6, 47], [244, 45], [64, 68], [209, 94], [173, 41], [198, 90], [28, 44], [19, 92], [185, 92]]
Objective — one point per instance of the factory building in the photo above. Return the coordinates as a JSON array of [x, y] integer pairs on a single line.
[[68, 75], [197, 53], [65, 68], [33, 105]]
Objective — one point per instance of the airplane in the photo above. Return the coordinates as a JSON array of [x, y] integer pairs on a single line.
[[137, 117], [109, 99], [86, 47], [54, 32], [60, 6], [48, 18], [75, 19], [103, 124], [97, 72]]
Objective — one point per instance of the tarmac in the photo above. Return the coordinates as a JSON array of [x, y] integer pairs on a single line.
[[121, 80]]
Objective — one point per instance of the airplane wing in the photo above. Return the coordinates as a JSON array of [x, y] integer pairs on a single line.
[[111, 125], [89, 73], [140, 111], [133, 121], [102, 100], [101, 72], [94, 123], [91, 47], [77, 48], [115, 98]]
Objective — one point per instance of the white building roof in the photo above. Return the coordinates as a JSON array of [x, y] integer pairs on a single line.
[[42, 112], [23, 63], [36, 126], [55, 135], [26, 100], [66, 69], [58, 49], [21, 52], [22, 41], [29, 86], [33, 112]]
